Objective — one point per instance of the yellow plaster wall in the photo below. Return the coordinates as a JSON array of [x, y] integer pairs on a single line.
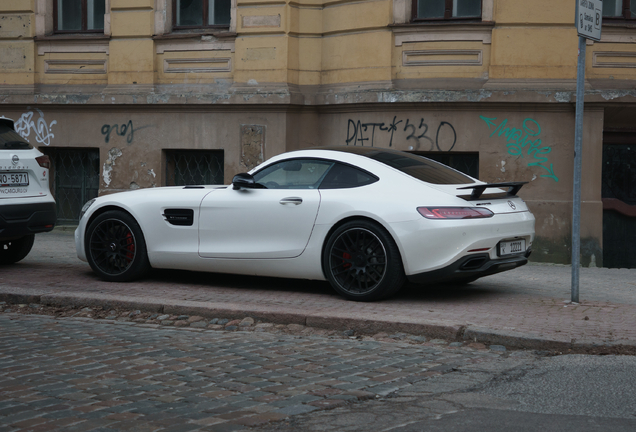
[[71, 79], [357, 57], [623, 54], [17, 6], [533, 53], [535, 12], [451, 53], [163, 77], [132, 23], [131, 61], [17, 62], [356, 16]]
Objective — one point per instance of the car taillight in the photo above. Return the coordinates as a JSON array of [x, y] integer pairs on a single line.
[[44, 161], [454, 212]]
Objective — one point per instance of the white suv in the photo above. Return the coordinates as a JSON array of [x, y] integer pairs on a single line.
[[26, 204]]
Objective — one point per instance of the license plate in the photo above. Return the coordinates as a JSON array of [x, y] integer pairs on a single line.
[[14, 179], [511, 247]]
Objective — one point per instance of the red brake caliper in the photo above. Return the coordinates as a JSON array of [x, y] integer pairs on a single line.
[[130, 246], [346, 256]]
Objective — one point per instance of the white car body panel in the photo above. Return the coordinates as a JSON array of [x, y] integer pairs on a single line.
[[249, 232]]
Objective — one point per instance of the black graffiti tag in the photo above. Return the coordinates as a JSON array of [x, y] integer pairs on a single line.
[[120, 130], [358, 133]]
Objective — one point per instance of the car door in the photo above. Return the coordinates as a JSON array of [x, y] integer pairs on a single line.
[[273, 222]]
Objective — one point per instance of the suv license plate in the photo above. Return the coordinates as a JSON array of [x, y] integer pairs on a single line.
[[14, 179], [512, 247]]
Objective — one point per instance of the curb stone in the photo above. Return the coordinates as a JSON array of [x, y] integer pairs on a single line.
[[445, 332]]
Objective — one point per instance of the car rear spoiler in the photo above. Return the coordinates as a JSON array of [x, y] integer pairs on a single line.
[[478, 190]]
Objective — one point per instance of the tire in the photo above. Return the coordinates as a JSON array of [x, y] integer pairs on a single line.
[[12, 251], [115, 247], [362, 262]]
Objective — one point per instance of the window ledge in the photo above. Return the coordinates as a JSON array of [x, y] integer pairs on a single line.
[[630, 24], [72, 36], [219, 34], [441, 24]]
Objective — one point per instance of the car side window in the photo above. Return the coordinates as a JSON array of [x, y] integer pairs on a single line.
[[342, 176], [293, 174]]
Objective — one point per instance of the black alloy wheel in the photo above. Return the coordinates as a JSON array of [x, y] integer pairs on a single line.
[[12, 251], [362, 262], [115, 247]]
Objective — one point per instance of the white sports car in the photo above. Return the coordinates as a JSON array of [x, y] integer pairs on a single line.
[[363, 218]]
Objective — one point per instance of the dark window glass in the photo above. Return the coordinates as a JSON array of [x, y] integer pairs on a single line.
[[342, 176], [10, 139], [293, 174], [416, 166], [201, 13], [621, 9], [446, 9], [468, 163], [79, 15], [194, 167]]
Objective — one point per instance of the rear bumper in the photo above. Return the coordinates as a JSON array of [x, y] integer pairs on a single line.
[[469, 267], [19, 220]]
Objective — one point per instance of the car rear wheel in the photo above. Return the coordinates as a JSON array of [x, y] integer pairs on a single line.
[[115, 247], [362, 262], [12, 251]]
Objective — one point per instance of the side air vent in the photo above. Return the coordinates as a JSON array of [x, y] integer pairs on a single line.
[[181, 217]]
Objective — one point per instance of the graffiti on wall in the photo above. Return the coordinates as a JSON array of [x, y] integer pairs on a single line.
[[417, 135], [123, 130], [40, 128], [524, 142]]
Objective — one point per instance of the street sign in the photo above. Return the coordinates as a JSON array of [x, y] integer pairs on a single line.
[[589, 18]]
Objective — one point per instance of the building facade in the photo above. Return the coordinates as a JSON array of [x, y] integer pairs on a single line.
[[127, 94]]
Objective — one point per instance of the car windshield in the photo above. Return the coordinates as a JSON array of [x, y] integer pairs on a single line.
[[419, 167], [10, 139]]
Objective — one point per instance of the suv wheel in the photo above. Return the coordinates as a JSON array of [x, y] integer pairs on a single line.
[[12, 251]]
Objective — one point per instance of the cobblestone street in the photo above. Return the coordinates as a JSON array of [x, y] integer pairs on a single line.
[[81, 374]]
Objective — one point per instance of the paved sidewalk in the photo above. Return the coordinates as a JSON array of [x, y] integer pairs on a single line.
[[524, 308]]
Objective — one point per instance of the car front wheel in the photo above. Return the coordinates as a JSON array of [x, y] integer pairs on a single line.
[[12, 251], [362, 262], [115, 247]]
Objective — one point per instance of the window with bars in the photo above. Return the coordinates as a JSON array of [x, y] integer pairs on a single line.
[[194, 167], [189, 14], [619, 9], [468, 163], [75, 180], [425, 10], [79, 16]]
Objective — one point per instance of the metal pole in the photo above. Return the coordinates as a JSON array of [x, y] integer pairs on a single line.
[[578, 140]]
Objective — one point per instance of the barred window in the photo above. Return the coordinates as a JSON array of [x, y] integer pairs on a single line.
[[194, 167], [79, 16], [621, 9], [446, 9]]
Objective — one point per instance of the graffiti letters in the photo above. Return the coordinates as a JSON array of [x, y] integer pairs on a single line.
[[524, 141], [41, 129], [415, 134], [121, 130]]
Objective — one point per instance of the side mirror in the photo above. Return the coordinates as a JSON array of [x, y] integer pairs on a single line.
[[243, 180]]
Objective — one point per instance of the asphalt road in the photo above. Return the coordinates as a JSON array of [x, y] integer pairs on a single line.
[[78, 374]]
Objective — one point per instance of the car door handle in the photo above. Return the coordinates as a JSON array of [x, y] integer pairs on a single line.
[[291, 200]]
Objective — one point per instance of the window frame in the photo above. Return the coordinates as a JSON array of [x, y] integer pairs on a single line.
[[626, 14], [205, 12], [84, 20], [448, 14]]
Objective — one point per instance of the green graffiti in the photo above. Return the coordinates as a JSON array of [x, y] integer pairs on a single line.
[[524, 141]]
